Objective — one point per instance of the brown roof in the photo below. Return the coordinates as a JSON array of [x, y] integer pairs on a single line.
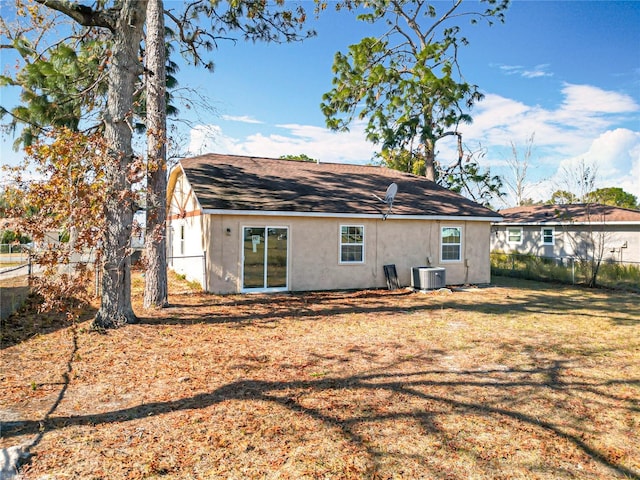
[[588, 213], [231, 182]]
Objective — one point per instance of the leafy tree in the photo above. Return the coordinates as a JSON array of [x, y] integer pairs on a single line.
[[470, 180], [614, 196], [528, 202], [58, 87], [67, 195], [73, 74], [465, 176], [201, 25], [562, 197], [407, 82], [115, 31], [10, 236], [299, 158], [404, 161]]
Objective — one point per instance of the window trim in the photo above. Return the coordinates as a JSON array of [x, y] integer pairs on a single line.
[[182, 238], [442, 244], [553, 236], [340, 245], [512, 242]]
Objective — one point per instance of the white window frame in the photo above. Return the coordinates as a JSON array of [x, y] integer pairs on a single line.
[[544, 237], [442, 244], [514, 242], [347, 244], [182, 239]]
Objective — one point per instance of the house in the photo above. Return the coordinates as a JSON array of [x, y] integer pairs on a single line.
[[577, 230], [246, 224]]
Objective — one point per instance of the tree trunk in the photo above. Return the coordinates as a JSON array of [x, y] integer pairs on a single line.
[[430, 161], [155, 286], [124, 70]]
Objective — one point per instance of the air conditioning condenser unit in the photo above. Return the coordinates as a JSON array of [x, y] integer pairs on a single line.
[[428, 278]]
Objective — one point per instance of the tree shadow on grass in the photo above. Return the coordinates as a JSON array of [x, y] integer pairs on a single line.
[[620, 307], [244, 310], [424, 388], [255, 309]]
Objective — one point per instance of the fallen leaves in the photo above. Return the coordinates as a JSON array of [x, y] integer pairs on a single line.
[[351, 385]]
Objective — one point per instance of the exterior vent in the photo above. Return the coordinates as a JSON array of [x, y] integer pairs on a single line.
[[428, 278]]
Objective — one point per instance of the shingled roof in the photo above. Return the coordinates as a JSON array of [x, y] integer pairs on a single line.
[[575, 213], [239, 183]]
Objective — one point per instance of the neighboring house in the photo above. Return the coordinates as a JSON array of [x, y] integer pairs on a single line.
[[247, 224], [569, 231]]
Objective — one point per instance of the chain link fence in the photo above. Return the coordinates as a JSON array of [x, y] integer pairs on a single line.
[[18, 270], [15, 277], [571, 270]]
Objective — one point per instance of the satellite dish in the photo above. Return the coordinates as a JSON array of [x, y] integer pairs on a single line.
[[389, 196]]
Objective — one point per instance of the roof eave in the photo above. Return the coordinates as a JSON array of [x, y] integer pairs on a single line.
[[556, 223], [275, 213]]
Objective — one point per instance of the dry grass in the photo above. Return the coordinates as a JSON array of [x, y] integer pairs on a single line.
[[521, 380]]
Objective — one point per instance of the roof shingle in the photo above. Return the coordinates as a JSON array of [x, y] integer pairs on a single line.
[[231, 182], [582, 213]]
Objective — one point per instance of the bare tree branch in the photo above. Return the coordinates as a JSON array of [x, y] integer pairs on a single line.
[[84, 15]]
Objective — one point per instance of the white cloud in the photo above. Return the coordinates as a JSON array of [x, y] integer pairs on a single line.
[[586, 125], [586, 99], [510, 69], [535, 72], [316, 142], [209, 138], [616, 156], [242, 119]]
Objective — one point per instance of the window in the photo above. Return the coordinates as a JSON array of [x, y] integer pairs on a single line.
[[451, 243], [181, 239], [514, 235], [547, 236], [351, 244]]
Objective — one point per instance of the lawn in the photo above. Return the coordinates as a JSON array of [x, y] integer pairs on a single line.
[[521, 380]]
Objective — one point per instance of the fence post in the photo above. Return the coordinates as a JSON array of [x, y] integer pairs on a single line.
[[573, 271], [29, 269], [204, 268]]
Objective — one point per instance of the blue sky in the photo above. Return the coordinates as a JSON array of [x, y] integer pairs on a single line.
[[568, 72]]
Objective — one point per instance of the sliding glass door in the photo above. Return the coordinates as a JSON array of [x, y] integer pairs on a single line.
[[265, 254]]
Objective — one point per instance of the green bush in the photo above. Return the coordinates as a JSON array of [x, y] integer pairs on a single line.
[[611, 275]]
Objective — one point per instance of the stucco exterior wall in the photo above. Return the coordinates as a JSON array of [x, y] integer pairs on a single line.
[[314, 245], [621, 242]]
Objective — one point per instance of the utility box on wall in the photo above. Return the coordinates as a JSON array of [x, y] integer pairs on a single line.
[[428, 278]]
